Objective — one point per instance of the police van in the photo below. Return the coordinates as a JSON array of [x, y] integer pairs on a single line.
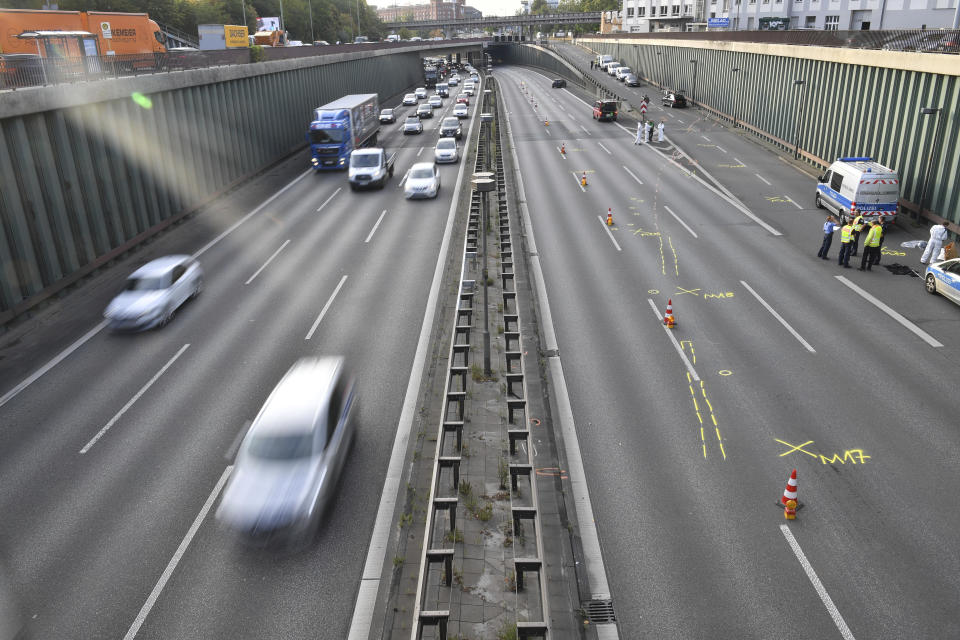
[[859, 186]]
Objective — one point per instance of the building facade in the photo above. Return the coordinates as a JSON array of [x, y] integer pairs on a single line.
[[434, 10], [641, 16]]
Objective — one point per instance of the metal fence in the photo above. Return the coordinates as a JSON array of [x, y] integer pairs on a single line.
[[920, 40]]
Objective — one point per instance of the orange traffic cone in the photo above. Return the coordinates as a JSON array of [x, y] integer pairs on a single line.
[[790, 493], [668, 318], [563, 148], [609, 217], [583, 180], [790, 510], [546, 123]]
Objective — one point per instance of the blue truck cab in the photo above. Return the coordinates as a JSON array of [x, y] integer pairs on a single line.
[[340, 127]]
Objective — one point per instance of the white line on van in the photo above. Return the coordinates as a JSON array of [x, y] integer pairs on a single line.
[[269, 260], [374, 230], [133, 400], [329, 199], [178, 554], [762, 178], [607, 229], [326, 307]]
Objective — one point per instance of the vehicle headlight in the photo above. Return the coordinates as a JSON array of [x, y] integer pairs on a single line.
[[341, 160], [314, 161]]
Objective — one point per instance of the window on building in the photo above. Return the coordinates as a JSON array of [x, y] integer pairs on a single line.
[[811, 22], [713, 1], [663, 9], [675, 10], [641, 12], [629, 12], [831, 23], [766, 1], [752, 2]]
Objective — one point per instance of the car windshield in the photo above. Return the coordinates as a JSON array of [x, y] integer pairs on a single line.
[[387, 112], [421, 173], [446, 144], [607, 107], [145, 284], [281, 447], [451, 122], [412, 120], [326, 136], [364, 160], [409, 96]]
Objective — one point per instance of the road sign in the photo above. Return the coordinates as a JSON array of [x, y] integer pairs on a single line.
[[718, 22], [643, 107]]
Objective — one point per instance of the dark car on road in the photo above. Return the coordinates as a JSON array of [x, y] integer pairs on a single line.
[[605, 110], [450, 127], [673, 99], [559, 83]]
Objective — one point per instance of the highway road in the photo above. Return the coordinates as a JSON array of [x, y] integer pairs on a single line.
[[779, 361], [112, 460]]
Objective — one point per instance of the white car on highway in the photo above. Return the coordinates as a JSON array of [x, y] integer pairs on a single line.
[[423, 181], [461, 110], [154, 292], [944, 278], [446, 150], [421, 93], [410, 99]]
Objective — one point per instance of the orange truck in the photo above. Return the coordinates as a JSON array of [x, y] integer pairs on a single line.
[[120, 34]]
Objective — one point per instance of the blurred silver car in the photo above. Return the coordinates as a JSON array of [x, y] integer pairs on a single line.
[[412, 125], [154, 292], [446, 150], [289, 462], [423, 181]]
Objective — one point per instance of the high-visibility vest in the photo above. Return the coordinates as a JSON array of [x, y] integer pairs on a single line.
[[873, 237], [858, 224], [845, 232]]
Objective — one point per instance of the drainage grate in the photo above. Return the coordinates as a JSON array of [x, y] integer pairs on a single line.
[[599, 611]]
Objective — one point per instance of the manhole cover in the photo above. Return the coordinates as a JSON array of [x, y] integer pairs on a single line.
[[599, 611]]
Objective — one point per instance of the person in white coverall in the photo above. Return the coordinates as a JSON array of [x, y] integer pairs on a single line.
[[660, 132], [639, 139], [938, 233]]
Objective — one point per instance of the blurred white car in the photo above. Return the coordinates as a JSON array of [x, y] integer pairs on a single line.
[[420, 92], [461, 110], [446, 150], [154, 292], [423, 181], [290, 459], [944, 278], [435, 102], [410, 99]]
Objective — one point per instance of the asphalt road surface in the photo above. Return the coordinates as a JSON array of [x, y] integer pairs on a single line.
[[779, 361], [114, 537]]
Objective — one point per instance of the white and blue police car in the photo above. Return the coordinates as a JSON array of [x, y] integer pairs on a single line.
[[944, 278]]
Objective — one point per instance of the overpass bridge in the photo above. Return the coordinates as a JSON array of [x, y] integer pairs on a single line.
[[525, 21]]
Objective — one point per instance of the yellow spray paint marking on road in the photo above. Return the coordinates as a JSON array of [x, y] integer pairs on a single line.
[[709, 407], [644, 234], [723, 295], [676, 263], [724, 372], [653, 292], [713, 418], [693, 354], [891, 252], [663, 262], [853, 456], [681, 291], [775, 199]]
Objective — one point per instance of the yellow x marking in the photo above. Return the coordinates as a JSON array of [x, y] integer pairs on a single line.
[[681, 291], [796, 447]]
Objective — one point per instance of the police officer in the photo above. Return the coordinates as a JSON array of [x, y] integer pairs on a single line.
[[846, 236], [858, 225], [828, 228], [871, 246]]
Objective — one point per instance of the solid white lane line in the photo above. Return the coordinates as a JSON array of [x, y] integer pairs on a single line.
[[678, 119], [631, 175], [374, 230], [762, 178], [739, 161], [175, 560], [779, 317], [326, 307], [604, 148], [547, 129], [676, 345], [329, 199], [722, 149], [132, 400], [239, 222], [419, 152], [585, 129], [705, 138], [57, 359], [926, 337], [685, 226], [269, 260], [817, 585], [792, 202], [607, 229]]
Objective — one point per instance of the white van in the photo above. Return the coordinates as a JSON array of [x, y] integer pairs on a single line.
[[854, 186], [602, 60]]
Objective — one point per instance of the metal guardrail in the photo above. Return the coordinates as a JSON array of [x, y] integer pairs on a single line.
[[439, 549], [917, 40]]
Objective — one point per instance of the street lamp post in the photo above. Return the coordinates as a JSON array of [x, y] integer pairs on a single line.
[[929, 111], [693, 92], [797, 110]]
